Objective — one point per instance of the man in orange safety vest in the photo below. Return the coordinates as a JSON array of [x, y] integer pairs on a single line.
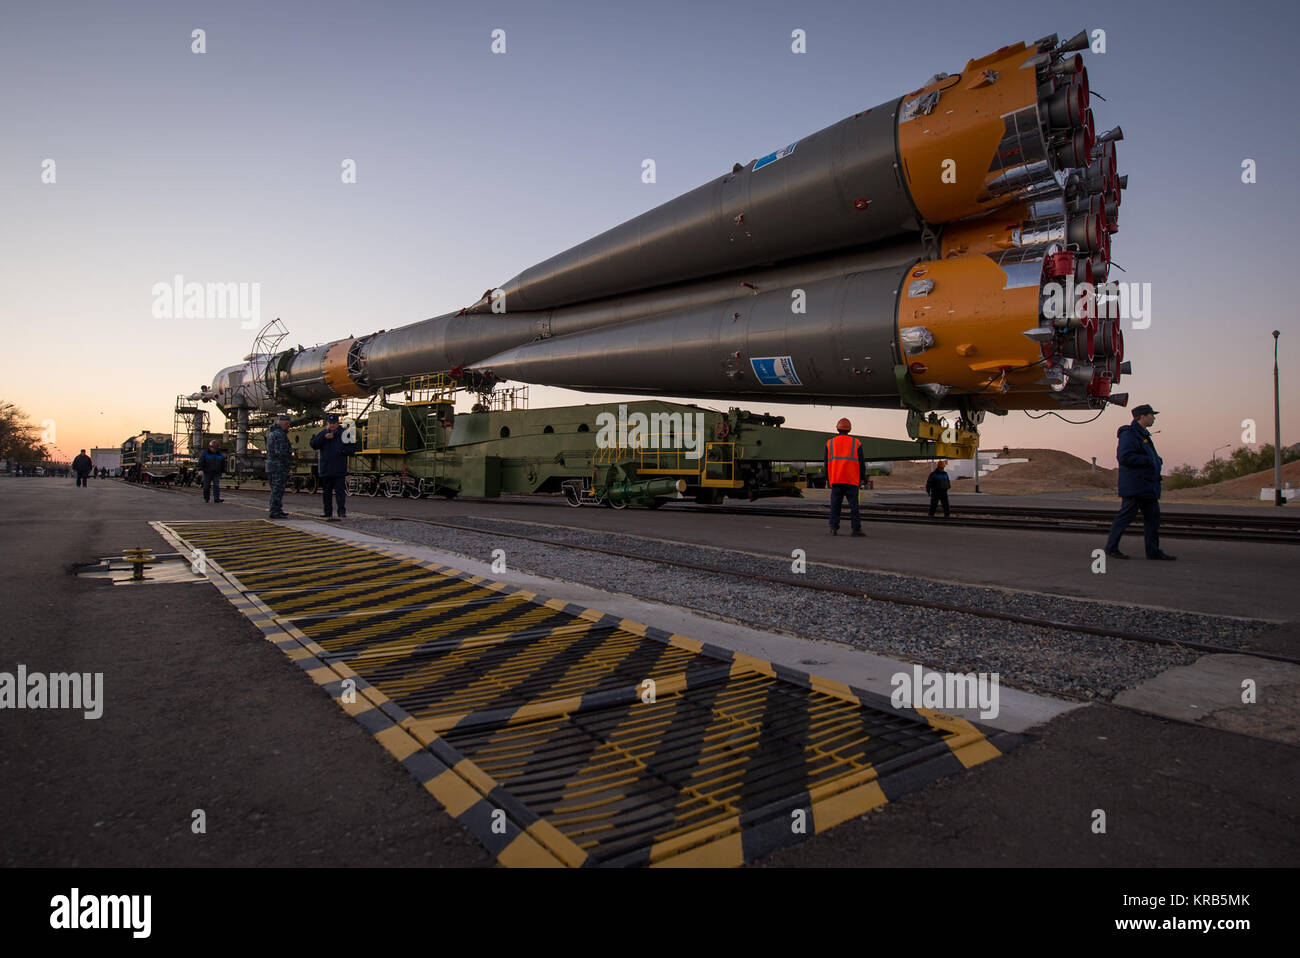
[[845, 467]]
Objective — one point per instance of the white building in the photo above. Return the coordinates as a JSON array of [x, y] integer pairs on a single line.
[[110, 459]]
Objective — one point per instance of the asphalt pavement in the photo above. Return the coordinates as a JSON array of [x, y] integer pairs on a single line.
[[201, 713]]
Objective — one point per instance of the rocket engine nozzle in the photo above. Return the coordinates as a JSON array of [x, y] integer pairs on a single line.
[[1077, 42]]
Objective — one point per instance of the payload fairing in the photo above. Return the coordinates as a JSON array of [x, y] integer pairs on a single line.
[[904, 255]]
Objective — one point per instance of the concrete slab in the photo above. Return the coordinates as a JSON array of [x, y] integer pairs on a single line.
[[1236, 692]]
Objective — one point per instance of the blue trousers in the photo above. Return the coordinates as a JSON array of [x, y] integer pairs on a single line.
[[332, 487], [839, 492], [1150, 509], [211, 481]]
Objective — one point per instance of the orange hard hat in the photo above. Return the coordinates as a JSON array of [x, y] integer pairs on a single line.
[[844, 425]]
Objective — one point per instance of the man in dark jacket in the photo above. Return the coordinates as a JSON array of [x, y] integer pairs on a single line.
[[937, 485], [212, 462], [1139, 484], [82, 466], [332, 467]]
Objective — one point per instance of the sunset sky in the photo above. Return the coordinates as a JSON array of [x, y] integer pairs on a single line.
[[225, 167]]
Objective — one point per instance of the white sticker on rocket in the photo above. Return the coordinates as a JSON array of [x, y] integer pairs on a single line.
[[775, 371]]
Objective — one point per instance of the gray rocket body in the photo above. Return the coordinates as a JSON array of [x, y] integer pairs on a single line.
[[797, 205], [472, 339], [828, 340]]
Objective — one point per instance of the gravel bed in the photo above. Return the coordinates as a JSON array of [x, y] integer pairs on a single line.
[[1042, 659]]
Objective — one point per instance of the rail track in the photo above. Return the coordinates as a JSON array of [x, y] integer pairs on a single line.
[[1040, 622], [1226, 527], [1175, 525]]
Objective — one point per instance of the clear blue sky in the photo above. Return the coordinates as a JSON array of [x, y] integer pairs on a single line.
[[225, 167]]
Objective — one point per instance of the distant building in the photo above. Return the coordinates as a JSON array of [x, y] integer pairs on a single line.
[[110, 459], [965, 468]]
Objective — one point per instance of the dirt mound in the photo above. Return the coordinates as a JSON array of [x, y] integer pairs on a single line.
[[1243, 487], [907, 475], [1048, 470]]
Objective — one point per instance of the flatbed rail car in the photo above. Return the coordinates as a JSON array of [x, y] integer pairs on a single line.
[[610, 454]]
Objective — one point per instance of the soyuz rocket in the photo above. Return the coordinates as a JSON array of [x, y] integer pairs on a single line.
[[905, 255]]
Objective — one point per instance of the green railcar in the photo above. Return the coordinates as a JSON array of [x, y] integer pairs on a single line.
[[612, 454], [148, 457]]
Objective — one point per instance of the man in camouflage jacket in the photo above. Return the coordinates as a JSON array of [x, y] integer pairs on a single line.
[[279, 456]]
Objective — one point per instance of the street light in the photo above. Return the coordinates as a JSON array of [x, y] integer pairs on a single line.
[[1215, 455], [1277, 432]]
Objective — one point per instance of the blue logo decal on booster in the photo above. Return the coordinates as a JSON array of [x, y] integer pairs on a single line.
[[775, 371]]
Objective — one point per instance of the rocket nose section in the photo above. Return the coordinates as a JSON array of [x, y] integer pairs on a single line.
[[235, 386]]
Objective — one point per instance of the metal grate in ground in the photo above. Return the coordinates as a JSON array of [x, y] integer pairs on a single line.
[[562, 735]]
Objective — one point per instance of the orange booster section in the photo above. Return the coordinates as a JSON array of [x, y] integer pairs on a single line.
[[1004, 163], [972, 141], [962, 324], [336, 369]]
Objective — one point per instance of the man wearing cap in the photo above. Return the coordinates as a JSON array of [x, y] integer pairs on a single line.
[[212, 463], [845, 467], [332, 467], [279, 457], [1139, 484]]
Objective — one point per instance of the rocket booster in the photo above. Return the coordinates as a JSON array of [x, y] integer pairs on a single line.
[[957, 147], [906, 253]]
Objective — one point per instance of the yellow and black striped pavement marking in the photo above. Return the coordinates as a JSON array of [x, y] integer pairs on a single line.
[[532, 720]]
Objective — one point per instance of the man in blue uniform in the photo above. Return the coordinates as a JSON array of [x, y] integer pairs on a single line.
[[212, 461], [937, 485], [1139, 484], [332, 466], [279, 457]]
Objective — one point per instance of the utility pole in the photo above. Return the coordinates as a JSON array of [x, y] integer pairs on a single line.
[[1278, 499]]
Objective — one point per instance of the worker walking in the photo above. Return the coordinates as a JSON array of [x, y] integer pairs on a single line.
[[213, 463], [82, 466], [1139, 484], [845, 467], [332, 467], [937, 485], [279, 457]]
